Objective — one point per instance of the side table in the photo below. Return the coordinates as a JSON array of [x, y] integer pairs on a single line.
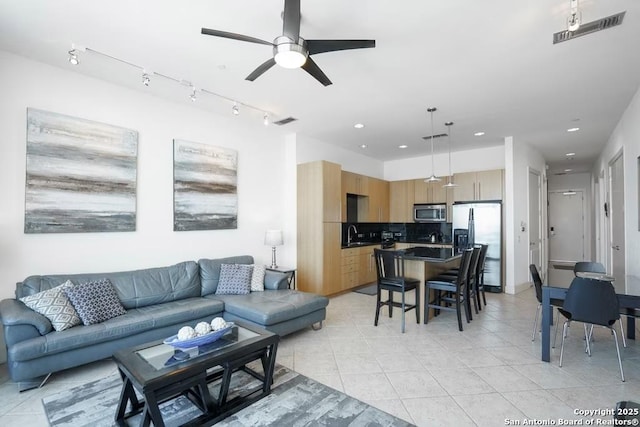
[[291, 272]]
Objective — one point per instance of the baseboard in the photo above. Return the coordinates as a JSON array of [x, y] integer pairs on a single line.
[[522, 287]]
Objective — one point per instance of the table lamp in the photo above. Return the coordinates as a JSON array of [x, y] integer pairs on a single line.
[[273, 238]]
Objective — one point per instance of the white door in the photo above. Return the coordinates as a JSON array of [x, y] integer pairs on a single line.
[[616, 174], [566, 234], [535, 219]]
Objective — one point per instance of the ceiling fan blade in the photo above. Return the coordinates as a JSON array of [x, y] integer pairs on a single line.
[[291, 20], [321, 46], [234, 36], [312, 68], [261, 69]]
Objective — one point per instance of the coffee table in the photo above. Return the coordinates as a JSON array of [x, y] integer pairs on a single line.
[[161, 372]]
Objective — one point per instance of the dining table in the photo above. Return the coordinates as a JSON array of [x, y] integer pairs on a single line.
[[629, 304]]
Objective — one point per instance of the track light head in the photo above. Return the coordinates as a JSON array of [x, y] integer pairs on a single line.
[[193, 94], [265, 119], [146, 79], [235, 110], [73, 57]]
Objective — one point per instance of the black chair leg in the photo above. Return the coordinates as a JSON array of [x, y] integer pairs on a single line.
[[390, 303], [459, 313], [404, 311], [375, 323], [417, 306], [427, 291]]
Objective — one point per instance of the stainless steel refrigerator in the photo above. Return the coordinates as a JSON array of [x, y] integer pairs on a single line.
[[483, 223]]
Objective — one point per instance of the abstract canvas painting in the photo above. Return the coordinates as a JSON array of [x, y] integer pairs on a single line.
[[81, 175], [205, 182]]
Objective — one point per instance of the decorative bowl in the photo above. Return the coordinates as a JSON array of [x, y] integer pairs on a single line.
[[200, 340]]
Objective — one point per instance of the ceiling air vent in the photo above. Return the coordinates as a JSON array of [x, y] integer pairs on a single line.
[[285, 121], [589, 27], [428, 137]]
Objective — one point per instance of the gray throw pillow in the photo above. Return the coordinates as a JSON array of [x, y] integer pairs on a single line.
[[235, 279], [55, 306], [96, 301]]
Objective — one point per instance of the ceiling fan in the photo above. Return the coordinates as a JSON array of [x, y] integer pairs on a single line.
[[292, 51]]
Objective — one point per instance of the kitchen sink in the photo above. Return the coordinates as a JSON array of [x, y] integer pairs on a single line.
[[356, 244]]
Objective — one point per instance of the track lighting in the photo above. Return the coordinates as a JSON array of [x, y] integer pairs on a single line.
[[575, 18], [73, 57], [194, 92], [433, 177]]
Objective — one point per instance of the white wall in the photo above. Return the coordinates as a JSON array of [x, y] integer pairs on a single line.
[[264, 188], [461, 161], [310, 150], [519, 158], [626, 137]]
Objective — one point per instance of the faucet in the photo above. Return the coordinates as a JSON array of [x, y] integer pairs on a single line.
[[349, 237]]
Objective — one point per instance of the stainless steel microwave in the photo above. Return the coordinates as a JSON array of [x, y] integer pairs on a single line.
[[430, 212]]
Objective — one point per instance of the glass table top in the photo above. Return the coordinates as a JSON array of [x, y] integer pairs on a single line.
[[163, 355]]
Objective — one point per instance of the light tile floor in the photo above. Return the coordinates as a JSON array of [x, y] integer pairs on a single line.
[[432, 375]]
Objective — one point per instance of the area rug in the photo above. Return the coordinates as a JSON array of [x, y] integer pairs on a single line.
[[371, 289], [295, 400]]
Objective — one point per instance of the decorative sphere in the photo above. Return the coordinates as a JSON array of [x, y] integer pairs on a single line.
[[218, 323], [203, 328], [186, 333]]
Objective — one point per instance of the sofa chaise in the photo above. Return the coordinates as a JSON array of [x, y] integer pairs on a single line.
[[157, 301]]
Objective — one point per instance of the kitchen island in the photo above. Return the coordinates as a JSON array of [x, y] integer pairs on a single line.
[[424, 263]]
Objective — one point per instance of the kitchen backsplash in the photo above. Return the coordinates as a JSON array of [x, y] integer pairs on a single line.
[[402, 232]]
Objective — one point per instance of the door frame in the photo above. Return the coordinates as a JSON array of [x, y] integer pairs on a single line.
[[540, 220], [609, 241]]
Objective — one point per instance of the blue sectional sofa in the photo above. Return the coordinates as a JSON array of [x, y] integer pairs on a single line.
[[158, 301]]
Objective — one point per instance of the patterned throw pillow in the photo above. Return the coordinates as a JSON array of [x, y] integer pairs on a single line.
[[235, 279], [96, 301], [55, 306], [257, 278]]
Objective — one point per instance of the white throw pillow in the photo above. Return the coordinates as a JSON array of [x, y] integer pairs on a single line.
[[257, 278]]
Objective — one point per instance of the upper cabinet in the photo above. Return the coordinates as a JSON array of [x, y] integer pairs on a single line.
[[482, 185], [319, 190], [354, 183], [378, 200], [429, 192], [401, 200]]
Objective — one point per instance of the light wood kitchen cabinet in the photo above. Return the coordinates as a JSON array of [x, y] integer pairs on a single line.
[[430, 192], [401, 200], [319, 227], [350, 264], [378, 200], [481, 185], [354, 183], [367, 263]]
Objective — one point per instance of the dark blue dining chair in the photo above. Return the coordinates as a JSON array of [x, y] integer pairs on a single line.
[[594, 302]]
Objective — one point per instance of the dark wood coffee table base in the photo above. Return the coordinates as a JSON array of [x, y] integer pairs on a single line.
[[192, 382]]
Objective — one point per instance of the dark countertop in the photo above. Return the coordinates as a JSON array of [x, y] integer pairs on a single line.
[[430, 254], [361, 244]]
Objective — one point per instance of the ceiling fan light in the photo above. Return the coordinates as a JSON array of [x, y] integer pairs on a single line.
[[289, 54]]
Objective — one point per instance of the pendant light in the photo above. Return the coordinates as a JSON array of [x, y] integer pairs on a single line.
[[433, 177], [450, 182]]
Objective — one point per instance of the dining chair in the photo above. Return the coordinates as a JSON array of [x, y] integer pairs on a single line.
[[594, 302], [471, 282], [480, 275], [537, 283], [450, 295], [589, 266], [391, 277]]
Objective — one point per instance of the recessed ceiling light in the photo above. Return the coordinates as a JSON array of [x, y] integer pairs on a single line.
[[358, 126], [570, 154], [568, 170], [363, 146], [402, 146], [573, 129], [478, 134]]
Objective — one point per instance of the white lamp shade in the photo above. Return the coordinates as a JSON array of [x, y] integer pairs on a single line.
[[273, 238]]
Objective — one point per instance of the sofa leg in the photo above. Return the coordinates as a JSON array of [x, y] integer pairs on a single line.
[[316, 328], [32, 383]]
